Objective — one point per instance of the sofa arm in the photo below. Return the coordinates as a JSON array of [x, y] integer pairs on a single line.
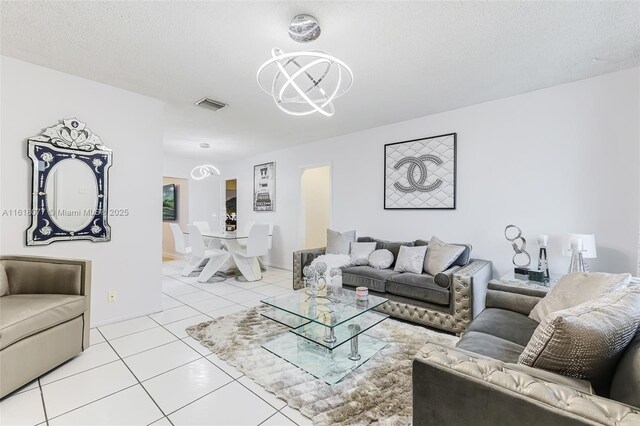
[[512, 298], [468, 290], [44, 275], [456, 387], [302, 258]]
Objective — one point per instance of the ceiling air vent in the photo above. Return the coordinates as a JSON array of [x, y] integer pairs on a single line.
[[210, 104]]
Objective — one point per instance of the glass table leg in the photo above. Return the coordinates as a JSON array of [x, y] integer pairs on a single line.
[[355, 330], [329, 335]]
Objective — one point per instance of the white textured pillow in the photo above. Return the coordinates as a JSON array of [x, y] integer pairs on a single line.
[[381, 259], [411, 259], [4, 281], [574, 289], [360, 253], [339, 242], [440, 256]]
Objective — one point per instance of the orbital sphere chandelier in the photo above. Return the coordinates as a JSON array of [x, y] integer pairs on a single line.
[[305, 82], [204, 171]]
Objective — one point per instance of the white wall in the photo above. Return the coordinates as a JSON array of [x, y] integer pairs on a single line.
[[34, 98], [204, 195], [562, 159]]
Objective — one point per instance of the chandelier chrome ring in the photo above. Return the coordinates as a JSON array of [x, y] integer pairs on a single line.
[[307, 64], [204, 171]]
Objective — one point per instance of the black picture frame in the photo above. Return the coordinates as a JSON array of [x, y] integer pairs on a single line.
[[167, 214], [455, 173], [264, 188]]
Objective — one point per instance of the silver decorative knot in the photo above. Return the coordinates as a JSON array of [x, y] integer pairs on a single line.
[[522, 249]]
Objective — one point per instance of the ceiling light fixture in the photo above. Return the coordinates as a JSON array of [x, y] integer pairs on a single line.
[[304, 82], [204, 171]]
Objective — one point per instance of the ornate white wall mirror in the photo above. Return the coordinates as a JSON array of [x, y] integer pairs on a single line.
[[70, 185]]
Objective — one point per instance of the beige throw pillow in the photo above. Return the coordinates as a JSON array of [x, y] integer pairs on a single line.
[[4, 281], [440, 256], [574, 289], [585, 341], [410, 259], [339, 242]]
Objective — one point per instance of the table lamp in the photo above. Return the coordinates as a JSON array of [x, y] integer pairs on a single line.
[[579, 247]]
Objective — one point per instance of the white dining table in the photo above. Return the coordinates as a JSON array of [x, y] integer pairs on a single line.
[[230, 242]]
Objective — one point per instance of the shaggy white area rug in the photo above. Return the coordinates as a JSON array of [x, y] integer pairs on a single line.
[[377, 393]]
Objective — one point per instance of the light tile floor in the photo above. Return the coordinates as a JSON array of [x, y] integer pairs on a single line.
[[147, 370]]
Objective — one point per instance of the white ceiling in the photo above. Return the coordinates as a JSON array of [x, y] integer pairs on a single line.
[[409, 58]]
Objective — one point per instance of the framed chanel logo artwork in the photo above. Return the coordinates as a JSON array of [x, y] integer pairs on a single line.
[[421, 173]]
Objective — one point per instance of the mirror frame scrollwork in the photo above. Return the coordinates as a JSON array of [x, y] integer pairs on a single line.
[[70, 139]]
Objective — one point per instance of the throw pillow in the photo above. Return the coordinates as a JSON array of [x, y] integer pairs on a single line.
[[360, 253], [440, 256], [4, 281], [585, 341], [410, 259], [574, 289], [339, 242], [381, 259]]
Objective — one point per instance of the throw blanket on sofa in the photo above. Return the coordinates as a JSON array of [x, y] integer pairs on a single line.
[[333, 260]]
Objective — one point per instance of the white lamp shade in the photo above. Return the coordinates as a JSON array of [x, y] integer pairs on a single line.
[[588, 245]]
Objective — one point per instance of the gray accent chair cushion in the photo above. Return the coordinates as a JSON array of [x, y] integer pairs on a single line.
[[491, 346], [418, 286], [366, 276], [505, 324]]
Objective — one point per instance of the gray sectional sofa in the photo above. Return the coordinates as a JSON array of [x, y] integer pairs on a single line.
[[447, 301], [479, 382]]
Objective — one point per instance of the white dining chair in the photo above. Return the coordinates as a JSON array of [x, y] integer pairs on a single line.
[[205, 229], [203, 226], [179, 242], [215, 258], [245, 231], [247, 258]]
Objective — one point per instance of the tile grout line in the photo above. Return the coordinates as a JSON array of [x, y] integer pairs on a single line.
[[138, 380], [44, 407]]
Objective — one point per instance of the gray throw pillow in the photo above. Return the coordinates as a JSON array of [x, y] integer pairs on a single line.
[[360, 253], [410, 259], [339, 242], [585, 341], [440, 256], [4, 281], [574, 289], [381, 259]]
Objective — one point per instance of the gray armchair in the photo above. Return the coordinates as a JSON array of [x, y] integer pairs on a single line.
[[44, 321]]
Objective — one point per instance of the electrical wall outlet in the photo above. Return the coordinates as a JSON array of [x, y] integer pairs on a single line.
[[112, 296]]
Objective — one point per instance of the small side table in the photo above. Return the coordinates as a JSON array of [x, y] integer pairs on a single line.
[[510, 279]]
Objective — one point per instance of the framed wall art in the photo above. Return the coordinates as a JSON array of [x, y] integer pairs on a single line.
[[421, 173], [264, 187]]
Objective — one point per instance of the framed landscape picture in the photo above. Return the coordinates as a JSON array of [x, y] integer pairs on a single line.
[[169, 202], [264, 187], [421, 173]]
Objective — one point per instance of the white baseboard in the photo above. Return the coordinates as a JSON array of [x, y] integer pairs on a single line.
[[286, 268], [125, 317]]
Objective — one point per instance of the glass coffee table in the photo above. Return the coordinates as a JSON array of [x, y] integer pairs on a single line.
[[326, 335]]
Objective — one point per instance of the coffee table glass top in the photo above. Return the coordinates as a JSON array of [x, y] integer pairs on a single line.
[[328, 311]]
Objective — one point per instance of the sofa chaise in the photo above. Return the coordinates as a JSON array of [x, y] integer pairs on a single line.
[[479, 382], [44, 321], [447, 301]]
